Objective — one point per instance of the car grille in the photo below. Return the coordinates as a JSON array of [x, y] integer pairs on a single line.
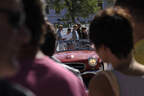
[[79, 66]]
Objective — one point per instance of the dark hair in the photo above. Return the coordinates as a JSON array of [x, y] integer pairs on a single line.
[[69, 29], [34, 20], [135, 8], [48, 47], [113, 29]]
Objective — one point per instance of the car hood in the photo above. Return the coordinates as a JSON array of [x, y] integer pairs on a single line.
[[71, 56]]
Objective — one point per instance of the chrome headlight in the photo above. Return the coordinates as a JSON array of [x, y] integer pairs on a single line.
[[92, 62]]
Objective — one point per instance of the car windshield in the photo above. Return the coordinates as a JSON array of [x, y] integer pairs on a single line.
[[69, 45]]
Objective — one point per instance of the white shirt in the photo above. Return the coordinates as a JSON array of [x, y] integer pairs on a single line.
[[68, 36]]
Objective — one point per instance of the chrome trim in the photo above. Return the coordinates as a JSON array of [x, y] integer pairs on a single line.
[[76, 65]]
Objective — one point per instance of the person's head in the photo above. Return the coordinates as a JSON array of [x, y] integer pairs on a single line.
[[11, 28], [75, 27], [34, 21], [84, 29], [112, 34], [60, 27], [68, 30], [48, 48]]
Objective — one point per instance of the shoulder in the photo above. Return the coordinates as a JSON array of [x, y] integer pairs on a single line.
[[62, 80], [54, 71], [100, 85]]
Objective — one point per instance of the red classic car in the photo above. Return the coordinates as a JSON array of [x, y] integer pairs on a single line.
[[81, 55]]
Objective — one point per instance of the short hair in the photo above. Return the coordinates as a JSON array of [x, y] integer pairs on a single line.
[[34, 20], [69, 29], [135, 7], [48, 47], [112, 28]]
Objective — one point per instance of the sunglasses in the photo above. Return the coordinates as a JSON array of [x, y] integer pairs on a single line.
[[15, 19]]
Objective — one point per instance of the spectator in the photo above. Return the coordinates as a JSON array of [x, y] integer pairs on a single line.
[[60, 37], [75, 33], [135, 8], [84, 33], [38, 72], [11, 28], [68, 35], [60, 32], [79, 29], [112, 34]]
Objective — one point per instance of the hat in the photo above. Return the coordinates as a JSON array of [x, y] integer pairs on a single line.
[[83, 27], [75, 25], [60, 25]]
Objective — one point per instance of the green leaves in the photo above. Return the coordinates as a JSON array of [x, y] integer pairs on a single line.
[[75, 8]]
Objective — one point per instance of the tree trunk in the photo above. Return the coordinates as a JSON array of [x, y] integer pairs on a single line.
[[70, 10]]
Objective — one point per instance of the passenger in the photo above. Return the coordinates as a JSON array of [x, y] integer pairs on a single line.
[[48, 48], [136, 9], [12, 37], [38, 72], [112, 34]]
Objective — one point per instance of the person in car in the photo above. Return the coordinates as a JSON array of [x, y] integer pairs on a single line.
[[12, 35], [111, 31], [38, 72]]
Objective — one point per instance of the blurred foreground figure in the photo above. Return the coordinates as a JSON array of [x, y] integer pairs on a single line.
[[38, 72], [11, 28], [112, 34], [136, 9]]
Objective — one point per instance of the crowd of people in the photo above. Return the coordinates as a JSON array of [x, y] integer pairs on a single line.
[[75, 33], [27, 67], [68, 40]]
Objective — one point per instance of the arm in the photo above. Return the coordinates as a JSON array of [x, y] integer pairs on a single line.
[[100, 86]]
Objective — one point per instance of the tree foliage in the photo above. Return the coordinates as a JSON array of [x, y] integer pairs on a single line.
[[110, 2], [75, 8]]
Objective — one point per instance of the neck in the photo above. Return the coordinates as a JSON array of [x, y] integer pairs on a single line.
[[129, 66], [123, 64]]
